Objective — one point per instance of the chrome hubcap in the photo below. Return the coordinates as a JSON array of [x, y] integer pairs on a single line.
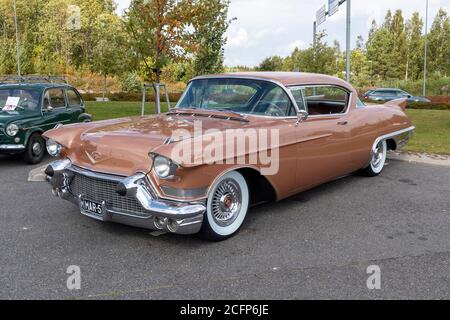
[[37, 149], [226, 203], [378, 155]]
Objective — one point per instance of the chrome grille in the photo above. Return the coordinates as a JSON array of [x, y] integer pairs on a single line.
[[100, 190]]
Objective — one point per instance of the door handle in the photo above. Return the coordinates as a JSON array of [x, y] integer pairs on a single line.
[[343, 123]]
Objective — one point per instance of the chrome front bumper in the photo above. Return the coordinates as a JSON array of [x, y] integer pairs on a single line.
[[11, 148], [154, 213]]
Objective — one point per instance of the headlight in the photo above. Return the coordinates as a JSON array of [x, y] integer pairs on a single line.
[[54, 148], [12, 130], [163, 167]]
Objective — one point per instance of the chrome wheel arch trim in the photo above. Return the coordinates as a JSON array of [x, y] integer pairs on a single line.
[[386, 137], [392, 135]]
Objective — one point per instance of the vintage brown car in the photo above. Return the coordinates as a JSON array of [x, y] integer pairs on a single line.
[[198, 168]]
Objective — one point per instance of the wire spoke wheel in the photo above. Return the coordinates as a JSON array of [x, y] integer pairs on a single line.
[[227, 203], [227, 207]]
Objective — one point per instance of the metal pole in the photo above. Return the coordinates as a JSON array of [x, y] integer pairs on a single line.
[[143, 100], [19, 72], [314, 33], [426, 53], [157, 98], [349, 12], [167, 98]]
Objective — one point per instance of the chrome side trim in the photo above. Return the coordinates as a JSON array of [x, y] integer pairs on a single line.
[[401, 138], [395, 134]]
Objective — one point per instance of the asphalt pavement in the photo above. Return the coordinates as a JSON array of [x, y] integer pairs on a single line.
[[317, 245]]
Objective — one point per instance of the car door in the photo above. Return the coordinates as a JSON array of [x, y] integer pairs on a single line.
[[75, 104], [55, 109], [325, 142]]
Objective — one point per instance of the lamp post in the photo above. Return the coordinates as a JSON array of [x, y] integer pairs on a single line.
[[426, 53], [19, 72]]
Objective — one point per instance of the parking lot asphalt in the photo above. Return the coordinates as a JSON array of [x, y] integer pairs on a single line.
[[316, 245]]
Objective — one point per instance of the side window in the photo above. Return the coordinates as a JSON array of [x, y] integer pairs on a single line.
[[298, 94], [56, 98], [73, 98], [276, 103], [326, 100]]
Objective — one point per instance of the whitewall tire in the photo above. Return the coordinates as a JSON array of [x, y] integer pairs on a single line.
[[227, 207], [377, 160]]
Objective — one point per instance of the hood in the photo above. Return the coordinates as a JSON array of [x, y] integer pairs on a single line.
[[9, 117], [122, 146]]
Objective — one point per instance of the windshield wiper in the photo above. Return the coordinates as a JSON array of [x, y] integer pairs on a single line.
[[231, 111]]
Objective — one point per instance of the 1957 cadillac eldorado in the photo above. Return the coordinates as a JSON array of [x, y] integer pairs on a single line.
[[233, 141]]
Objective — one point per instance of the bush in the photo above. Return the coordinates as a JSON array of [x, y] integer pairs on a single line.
[[130, 82], [429, 106]]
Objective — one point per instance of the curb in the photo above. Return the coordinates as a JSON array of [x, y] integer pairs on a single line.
[[421, 158]]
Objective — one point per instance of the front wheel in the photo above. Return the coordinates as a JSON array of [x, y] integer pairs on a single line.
[[227, 207], [35, 150], [377, 161]]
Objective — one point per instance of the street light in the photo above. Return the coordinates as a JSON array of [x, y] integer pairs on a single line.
[[426, 53], [19, 73]]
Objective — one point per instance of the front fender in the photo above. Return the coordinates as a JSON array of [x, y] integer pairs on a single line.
[[85, 117]]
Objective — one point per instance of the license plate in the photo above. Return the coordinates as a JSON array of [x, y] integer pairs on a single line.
[[91, 208]]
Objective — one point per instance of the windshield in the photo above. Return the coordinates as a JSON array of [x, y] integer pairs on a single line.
[[19, 100], [244, 96]]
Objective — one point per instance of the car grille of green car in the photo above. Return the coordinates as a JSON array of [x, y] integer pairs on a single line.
[[100, 190]]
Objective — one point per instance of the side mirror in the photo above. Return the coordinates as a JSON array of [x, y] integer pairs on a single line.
[[302, 116], [48, 109]]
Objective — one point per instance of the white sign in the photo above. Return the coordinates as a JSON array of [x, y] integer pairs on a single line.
[[11, 104], [321, 15], [333, 7]]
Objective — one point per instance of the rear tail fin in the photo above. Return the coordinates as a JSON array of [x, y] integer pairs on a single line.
[[399, 103]]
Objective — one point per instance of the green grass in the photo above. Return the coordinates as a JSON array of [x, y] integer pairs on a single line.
[[432, 133], [112, 110]]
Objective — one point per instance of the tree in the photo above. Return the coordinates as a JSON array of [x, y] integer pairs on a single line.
[[109, 52], [274, 63], [210, 22], [415, 47], [159, 32], [439, 44]]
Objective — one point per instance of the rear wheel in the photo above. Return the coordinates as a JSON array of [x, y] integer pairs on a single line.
[[35, 150], [227, 207], [378, 160]]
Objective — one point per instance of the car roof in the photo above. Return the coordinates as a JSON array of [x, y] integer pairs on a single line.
[[285, 78], [387, 89], [35, 86]]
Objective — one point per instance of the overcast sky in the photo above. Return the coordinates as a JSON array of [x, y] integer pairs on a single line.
[[275, 27]]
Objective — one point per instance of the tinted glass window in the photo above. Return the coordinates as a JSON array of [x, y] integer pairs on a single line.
[[73, 98], [19, 100], [298, 96], [276, 103], [326, 100], [56, 98], [238, 95]]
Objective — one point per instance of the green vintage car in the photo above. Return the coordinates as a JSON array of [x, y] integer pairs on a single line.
[[28, 109]]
